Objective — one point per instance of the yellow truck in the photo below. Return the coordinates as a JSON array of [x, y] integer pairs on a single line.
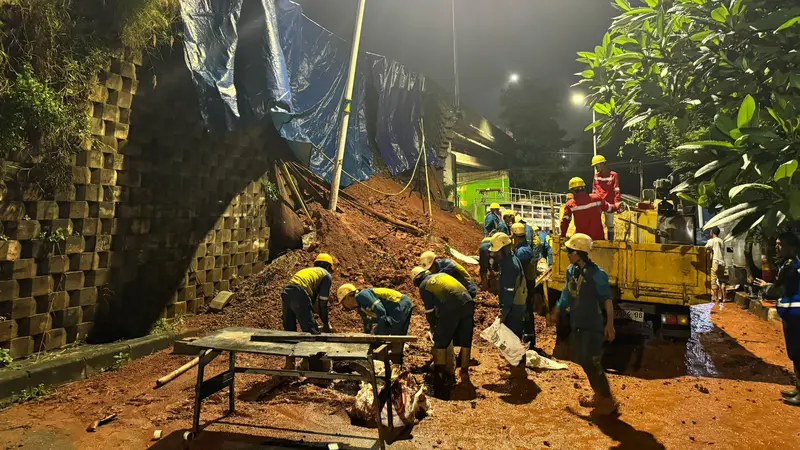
[[654, 281]]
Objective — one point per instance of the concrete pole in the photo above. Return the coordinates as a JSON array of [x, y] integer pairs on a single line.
[[457, 101], [594, 132], [348, 98]]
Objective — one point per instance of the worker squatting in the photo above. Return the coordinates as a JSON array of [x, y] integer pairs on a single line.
[[514, 254]]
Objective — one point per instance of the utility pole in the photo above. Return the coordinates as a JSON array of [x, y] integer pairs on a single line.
[[456, 102], [347, 100], [594, 132]]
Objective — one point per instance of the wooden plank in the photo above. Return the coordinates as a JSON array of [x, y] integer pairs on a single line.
[[302, 373], [239, 340], [343, 338]]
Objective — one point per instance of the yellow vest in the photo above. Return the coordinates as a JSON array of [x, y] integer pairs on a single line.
[[310, 279], [388, 294]]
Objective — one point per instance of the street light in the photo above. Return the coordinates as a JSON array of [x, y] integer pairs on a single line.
[[579, 99], [513, 78]]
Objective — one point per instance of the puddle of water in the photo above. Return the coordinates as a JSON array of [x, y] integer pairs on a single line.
[[698, 361]]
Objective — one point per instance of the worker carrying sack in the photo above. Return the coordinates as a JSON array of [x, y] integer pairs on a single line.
[[503, 338]]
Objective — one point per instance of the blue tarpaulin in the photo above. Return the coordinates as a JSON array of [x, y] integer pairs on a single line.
[[251, 59]]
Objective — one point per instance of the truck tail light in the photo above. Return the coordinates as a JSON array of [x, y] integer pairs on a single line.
[[674, 319]]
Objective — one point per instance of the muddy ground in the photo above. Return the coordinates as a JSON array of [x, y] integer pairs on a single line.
[[719, 390]]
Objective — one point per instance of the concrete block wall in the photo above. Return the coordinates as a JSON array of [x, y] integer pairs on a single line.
[[160, 216]]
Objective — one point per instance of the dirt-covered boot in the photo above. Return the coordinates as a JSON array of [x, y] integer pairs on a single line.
[[605, 406]]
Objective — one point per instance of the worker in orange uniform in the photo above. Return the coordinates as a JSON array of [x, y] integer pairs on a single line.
[[587, 209], [606, 184]]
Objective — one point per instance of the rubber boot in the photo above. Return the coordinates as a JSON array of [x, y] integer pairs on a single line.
[[794, 401], [440, 389], [793, 392], [463, 361], [611, 234], [605, 406], [450, 360]]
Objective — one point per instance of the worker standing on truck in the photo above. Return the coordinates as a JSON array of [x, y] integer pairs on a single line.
[[586, 297], [786, 290], [383, 312], [493, 221], [606, 185], [513, 288], [450, 312], [526, 256], [587, 209], [717, 267], [434, 264]]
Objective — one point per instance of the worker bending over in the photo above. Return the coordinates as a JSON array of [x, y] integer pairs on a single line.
[[307, 291], [587, 209], [606, 185], [526, 256], [450, 312], [586, 297], [383, 312], [493, 222], [434, 264], [513, 288]]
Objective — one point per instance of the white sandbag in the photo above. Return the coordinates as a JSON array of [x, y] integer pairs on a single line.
[[503, 338], [533, 360]]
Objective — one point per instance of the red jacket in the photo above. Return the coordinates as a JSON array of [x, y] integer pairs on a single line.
[[587, 209], [607, 186]]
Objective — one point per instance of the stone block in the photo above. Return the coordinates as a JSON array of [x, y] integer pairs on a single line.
[[73, 281], [108, 226], [51, 340], [112, 194], [113, 161], [8, 330], [208, 289], [79, 332], [81, 175], [54, 264], [74, 210], [120, 130], [74, 244], [121, 98], [23, 230], [32, 287], [82, 261], [245, 270], [83, 297], [11, 211], [176, 310], [19, 269], [88, 312], [18, 308], [89, 192], [223, 285], [104, 260], [69, 317], [92, 159], [97, 277], [98, 94], [9, 290], [111, 80], [65, 193], [87, 227], [187, 293], [101, 210], [21, 347], [54, 301], [220, 301], [107, 112], [104, 176], [42, 210], [99, 243], [35, 324]]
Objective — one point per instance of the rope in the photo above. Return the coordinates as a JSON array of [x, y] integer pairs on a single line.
[[419, 158], [427, 180]]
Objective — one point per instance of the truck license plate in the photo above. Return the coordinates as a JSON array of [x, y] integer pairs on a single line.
[[636, 316]]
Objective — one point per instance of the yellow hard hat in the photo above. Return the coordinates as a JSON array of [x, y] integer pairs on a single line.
[[324, 257], [579, 242], [416, 272], [570, 196], [518, 229], [598, 159], [518, 219], [494, 206], [576, 182], [508, 212], [426, 260], [345, 290], [499, 241]]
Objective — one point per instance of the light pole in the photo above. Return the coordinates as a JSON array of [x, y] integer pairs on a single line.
[[456, 101], [580, 100], [513, 78]]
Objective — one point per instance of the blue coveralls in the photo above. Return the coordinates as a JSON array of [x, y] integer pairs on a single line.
[[492, 223], [387, 310], [457, 271], [583, 298], [541, 248], [449, 309], [513, 292], [529, 233], [525, 254], [787, 291], [485, 257], [298, 297]]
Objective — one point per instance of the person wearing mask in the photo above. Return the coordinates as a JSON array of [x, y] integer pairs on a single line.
[[587, 209], [434, 264], [786, 290], [586, 297], [493, 221], [450, 312], [383, 312], [606, 185], [717, 267], [526, 256]]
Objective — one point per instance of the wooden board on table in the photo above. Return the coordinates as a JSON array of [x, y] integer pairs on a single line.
[[239, 340]]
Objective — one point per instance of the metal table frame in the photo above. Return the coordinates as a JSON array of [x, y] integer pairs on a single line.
[[206, 388]]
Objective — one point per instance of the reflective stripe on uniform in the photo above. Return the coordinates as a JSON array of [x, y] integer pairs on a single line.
[[510, 289], [430, 310], [323, 299], [788, 305], [586, 206], [616, 189], [603, 179]]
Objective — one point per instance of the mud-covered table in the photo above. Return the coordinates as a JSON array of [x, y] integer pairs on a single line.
[[363, 348]]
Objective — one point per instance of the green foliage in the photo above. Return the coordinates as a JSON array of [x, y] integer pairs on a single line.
[[29, 394], [725, 76], [5, 358], [120, 359], [270, 189], [162, 326], [53, 237]]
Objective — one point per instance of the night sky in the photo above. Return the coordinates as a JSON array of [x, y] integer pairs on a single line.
[[534, 38]]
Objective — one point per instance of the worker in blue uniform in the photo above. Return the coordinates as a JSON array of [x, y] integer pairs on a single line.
[[509, 219], [485, 261], [450, 312], [525, 255], [529, 230], [786, 290], [383, 312], [434, 264], [586, 297], [513, 288], [493, 221]]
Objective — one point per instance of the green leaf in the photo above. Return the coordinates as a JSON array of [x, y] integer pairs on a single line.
[[651, 124], [788, 23], [786, 170], [637, 119], [622, 40], [651, 3], [587, 74], [683, 187], [698, 145], [746, 112], [623, 5], [687, 197], [589, 55], [592, 125], [736, 190], [697, 37], [720, 14], [637, 11], [602, 108], [729, 215], [708, 168], [725, 124]]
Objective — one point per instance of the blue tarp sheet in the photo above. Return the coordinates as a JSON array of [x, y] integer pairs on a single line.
[[251, 59]]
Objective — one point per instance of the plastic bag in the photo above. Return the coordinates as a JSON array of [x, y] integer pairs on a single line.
[[534, 360], [410, 402], [503, 338]]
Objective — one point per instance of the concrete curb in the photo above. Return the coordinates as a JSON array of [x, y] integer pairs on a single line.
[[82, 363]]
